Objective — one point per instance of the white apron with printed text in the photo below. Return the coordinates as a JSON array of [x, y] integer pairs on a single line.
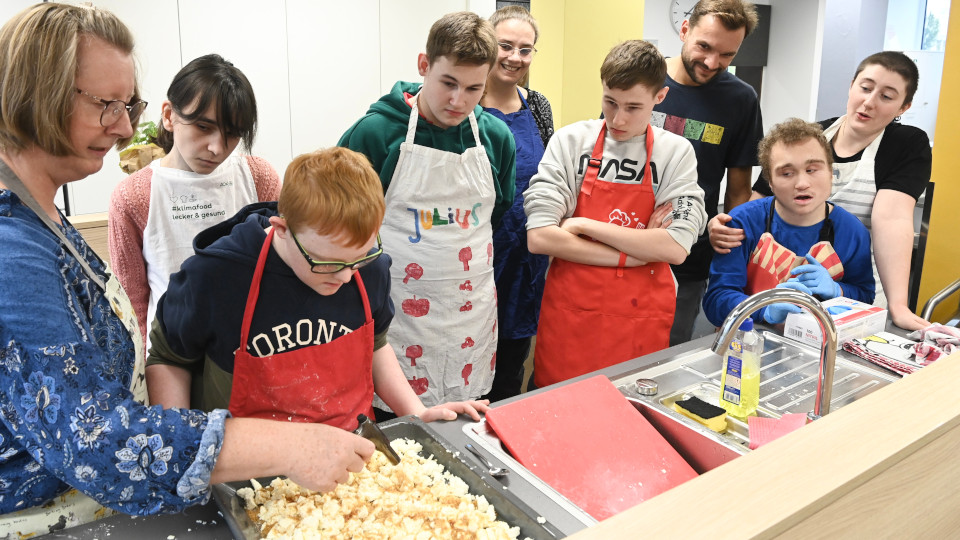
[[437, 230]]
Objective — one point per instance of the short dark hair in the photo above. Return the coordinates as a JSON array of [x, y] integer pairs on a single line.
[[898, 63], [210, 80], [734, 14], [634, 62]]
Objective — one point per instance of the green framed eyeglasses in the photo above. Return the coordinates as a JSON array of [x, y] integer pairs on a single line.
[[332, 267]]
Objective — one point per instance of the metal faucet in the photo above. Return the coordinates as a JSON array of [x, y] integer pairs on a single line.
[[828, 348]]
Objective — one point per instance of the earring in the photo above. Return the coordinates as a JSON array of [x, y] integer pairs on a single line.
[[897, 119]]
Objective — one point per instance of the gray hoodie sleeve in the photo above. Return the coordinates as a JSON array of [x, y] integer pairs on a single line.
[[678, 185]]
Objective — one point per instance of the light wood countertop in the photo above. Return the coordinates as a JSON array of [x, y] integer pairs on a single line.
[[883, 466]]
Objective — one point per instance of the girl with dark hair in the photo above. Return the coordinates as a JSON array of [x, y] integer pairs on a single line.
[[155, 213]]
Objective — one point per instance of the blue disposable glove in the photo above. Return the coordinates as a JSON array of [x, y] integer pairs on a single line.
[[777, 313], [816, 278]]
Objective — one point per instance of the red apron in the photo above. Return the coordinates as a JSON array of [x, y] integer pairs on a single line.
[[770, 263], [330, 383], [593, 317]]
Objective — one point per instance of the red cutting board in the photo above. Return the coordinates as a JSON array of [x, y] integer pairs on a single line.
[[591, 445]]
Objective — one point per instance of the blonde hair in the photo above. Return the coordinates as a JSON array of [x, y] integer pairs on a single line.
[[634, 62], [519, 13], [790, 132], [38, 69], [334, 191], [733, 14], [463, 36]]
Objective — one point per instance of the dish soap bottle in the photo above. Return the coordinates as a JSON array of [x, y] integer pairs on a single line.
[[740, 376]]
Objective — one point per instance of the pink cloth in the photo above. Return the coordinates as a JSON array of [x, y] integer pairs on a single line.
[[764, 430], [127, 218]]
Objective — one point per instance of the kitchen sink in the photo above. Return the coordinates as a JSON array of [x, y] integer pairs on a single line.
[[788, 384]]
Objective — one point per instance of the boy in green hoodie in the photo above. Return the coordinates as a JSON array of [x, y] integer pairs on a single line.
[[447, 169]]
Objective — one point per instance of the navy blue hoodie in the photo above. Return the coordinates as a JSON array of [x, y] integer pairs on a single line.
[[198, 319]]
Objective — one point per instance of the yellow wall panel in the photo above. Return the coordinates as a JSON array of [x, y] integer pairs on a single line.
[[941, 264], [587, 29]]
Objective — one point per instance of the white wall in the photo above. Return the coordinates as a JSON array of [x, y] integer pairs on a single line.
[[315, 66], [791, 78], [852, 30]]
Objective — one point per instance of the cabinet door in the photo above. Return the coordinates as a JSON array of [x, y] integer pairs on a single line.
[[252, 35], [157, 51], [334, 51]]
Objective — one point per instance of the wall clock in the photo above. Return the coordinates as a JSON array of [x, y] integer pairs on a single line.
[[679, 11]]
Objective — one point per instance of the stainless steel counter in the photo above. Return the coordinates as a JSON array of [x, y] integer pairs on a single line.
[[206, 522]]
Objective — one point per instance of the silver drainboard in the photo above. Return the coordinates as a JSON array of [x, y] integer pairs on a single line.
[[788, 377]]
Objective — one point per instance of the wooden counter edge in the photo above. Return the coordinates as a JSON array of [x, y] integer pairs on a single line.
[[863, 452]]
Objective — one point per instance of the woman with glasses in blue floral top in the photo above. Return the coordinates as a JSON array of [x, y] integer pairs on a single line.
[[519, 274], [76, 433]]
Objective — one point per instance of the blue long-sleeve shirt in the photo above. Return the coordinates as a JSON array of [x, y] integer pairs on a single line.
[[728, 272], [67, 415]]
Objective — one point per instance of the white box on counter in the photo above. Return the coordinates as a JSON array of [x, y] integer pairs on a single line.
[[853, 319]]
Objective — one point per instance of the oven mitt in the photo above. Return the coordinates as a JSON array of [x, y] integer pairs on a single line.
[[817, 279], [777, 313]]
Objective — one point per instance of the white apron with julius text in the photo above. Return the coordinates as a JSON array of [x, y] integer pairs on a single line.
[[437, 230], [183, 203], [855, 188]]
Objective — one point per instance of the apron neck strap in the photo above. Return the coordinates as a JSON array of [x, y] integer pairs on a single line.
[[255, 292], [15, 185], [415, 116], [596, 159], [826, 227]]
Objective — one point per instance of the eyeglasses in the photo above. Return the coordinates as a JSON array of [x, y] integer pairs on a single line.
[[112, 110], [524, 52], [332, 267]]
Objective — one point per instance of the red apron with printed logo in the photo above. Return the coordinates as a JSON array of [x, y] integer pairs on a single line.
[[594, 316], [770, 263], [329, 383]]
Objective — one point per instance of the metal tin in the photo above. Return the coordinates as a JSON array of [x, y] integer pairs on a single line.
[[509, 508], [647, 387]]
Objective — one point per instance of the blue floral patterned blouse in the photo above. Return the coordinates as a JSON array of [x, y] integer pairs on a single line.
[[67, 416]]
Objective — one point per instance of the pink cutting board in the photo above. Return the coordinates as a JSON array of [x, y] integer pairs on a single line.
[[591, 445]]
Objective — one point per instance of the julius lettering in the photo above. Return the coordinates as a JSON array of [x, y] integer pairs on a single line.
[[428, 219]]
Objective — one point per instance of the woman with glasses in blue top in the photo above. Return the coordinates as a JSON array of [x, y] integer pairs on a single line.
[[285, 308], [78, 440], [519, 275]]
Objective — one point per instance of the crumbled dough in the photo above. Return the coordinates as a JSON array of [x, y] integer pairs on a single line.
[[416, 499]]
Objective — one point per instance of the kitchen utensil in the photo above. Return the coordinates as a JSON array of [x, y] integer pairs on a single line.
[[496, 472], [508, 505], [369, 430], [590, 444]]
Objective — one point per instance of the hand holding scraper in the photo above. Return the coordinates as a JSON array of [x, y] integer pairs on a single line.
[[369, 430]]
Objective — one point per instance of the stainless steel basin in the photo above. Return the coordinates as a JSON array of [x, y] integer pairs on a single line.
[[788, 384]]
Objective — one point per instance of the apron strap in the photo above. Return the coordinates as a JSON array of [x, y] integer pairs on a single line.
[[596, 159], [254, 290], [826, 228], [415, 116], [593, 164], [14, 184]]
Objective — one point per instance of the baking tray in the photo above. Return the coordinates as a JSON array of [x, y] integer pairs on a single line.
[[509, 508]]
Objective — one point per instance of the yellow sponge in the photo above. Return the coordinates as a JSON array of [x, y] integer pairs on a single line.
[[712, 416]]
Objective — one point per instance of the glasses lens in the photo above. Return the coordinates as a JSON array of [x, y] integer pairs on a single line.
[[137, 109], [113, 110], [327, 268], [506, 47]]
